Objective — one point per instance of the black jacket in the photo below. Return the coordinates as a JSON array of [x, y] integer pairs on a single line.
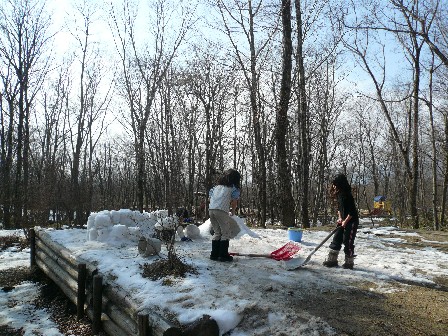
[[347, 206]]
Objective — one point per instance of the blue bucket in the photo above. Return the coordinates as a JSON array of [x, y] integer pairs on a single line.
[[295, 234]]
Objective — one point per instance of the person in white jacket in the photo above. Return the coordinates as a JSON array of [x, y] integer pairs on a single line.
[[224, 196]]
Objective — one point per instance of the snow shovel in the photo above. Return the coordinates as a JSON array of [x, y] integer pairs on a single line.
[[283, 253], [293, 265]]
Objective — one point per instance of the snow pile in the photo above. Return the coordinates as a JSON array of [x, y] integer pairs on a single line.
[[192, 231], [125, 225], [205, 229]]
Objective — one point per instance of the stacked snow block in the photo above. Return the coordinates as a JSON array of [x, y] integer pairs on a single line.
[[127, 226]]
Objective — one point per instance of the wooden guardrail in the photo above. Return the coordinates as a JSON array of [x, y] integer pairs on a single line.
[[108, 306]]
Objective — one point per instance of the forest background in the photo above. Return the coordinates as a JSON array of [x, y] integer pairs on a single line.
[[140, 104]]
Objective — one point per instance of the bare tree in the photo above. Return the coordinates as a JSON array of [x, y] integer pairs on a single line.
[[144, 70], [244, 15], [406, 35], [316, 52], [303, 119], [209, 88], [47, 159], [91, 111], [23, 37], [433, 140], [327, 108], [191, 124], [431, 17], [429, 22], [445, 170], [286, 200]]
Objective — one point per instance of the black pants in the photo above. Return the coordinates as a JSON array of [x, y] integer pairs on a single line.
[[347, 237]]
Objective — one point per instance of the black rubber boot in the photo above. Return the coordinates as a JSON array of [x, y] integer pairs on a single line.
[[224, 251], [215, 249], [332, 259], [349, 262]]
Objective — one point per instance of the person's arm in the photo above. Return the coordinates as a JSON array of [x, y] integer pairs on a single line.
[[343, 222], [210, 194], [346, 220], [233, 205], [339, 221], [236, 193]]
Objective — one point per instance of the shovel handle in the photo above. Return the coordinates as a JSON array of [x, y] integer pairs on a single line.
[[250, 255], [327, 237], [314, 251]]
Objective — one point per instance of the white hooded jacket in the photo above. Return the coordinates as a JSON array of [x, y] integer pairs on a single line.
[[220, 197]]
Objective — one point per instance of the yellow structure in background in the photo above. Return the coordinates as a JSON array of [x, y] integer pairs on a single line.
[[381, 206]]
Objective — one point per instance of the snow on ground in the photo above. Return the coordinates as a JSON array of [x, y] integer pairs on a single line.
[[16, 308], [248, 296], [13, 257], [17, 312]]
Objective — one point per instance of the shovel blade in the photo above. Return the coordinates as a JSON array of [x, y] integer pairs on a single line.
[[285, 252], [295, 263]]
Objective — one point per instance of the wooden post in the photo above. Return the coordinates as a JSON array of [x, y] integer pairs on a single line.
[[32, 248], [143, 325], [97, 303], [81, 299]]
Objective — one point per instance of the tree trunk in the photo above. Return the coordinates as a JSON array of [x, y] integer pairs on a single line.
[[415, 135], [303, 123], [445, 175], [284, 179], [434, 150], [256, 123]]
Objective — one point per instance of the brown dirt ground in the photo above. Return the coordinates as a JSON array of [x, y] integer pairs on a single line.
[[359, 312], [414, 311]]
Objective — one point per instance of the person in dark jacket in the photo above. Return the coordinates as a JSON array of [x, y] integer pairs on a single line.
[[348, 220], [224, 196]]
